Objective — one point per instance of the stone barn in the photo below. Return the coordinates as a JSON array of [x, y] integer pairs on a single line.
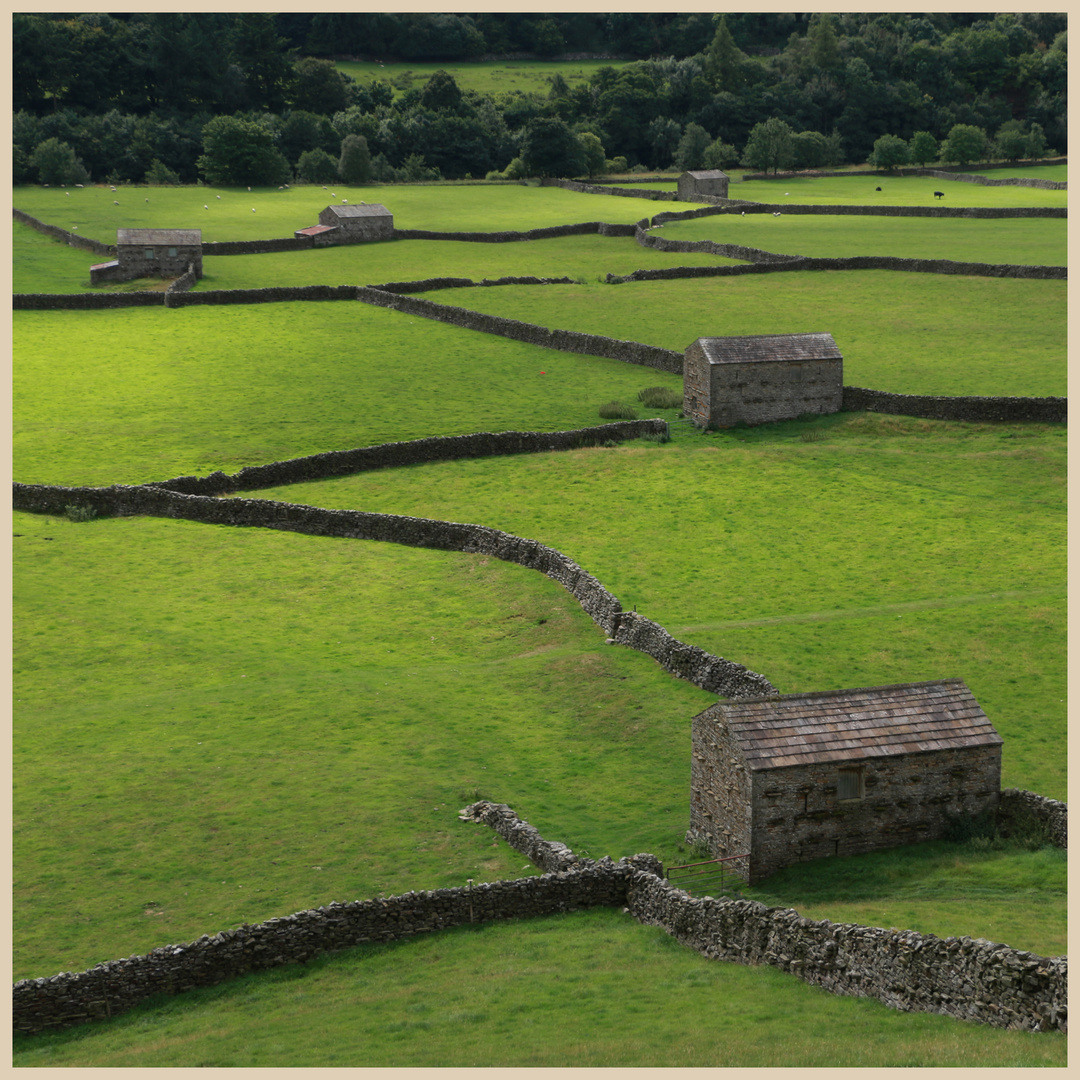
[[806, 776], [702, 182], [151, 253], [761, 378], [357, 224]]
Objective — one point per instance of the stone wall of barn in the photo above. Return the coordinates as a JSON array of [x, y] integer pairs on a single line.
[[358, 230], [135, 264], [690, 189], [720, 790], [908, 798]]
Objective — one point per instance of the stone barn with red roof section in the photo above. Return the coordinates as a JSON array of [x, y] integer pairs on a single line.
[[761, 378], [806, 776], [151, 253]]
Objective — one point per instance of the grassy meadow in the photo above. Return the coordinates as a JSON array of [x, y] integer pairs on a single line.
[[215, 726], [1036, 241], [902, 332], [592, 989], [483, 76]]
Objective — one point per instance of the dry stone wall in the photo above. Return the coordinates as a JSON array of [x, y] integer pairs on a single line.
[[85, 301], [630, 352], [1017, 808], [73, 239], [1048, 410], [415, 452], [1012, 181], [510, 237], [972, 979], [112, 988], [713, 673]]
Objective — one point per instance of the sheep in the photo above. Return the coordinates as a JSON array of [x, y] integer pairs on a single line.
[[219, 196], [115, 203], [939, 194], [205, 207]]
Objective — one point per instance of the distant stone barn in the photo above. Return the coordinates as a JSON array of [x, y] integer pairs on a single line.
[[702, 182], [151, 253], [806, 776], [357, 224], [761, 378]]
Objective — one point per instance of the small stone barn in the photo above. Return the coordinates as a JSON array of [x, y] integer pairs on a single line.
[[358, 223], [151, 253], [805, 776], [761, 378], [702, 182]]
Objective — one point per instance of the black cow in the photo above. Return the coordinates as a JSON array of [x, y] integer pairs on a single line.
[[877, 189], [939, 194]]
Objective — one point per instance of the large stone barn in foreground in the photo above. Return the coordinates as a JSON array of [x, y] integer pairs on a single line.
[[702, 182], [761, 378], [151, 253], [805, 776]]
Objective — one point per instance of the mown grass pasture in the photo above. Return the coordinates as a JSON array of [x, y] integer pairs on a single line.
[[216, 725]]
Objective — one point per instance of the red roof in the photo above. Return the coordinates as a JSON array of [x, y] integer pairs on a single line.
[[314, 230]]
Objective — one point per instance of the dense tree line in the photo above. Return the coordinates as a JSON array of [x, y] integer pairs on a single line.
[[255, 97]]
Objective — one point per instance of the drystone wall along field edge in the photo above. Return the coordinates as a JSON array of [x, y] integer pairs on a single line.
[[116, 986], [630, 352], [710, 672], [73, 239], [414, 452]]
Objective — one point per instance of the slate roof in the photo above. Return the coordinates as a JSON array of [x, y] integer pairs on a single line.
[[175, 237], [846, 725], [360, 210], [769, 347], [706, 174]]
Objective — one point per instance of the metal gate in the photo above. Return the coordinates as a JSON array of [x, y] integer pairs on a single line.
[[714, 877]]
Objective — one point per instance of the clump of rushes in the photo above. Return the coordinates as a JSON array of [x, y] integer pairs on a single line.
[[616, 410], [660, 397], [80, 513]]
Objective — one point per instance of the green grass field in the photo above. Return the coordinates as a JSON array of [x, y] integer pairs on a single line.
[[216, 725], [594, 989], [477, 208], [485, 77], [895, 191], [1040, 241], [902, 332]]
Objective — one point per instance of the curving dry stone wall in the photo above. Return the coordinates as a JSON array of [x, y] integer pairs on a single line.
[[1017, 808], [713, 673], [415, 452], [119, 985]]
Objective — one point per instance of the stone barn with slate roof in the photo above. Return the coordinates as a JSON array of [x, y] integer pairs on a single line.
[[806, 776], [761, 378], [151, 253], [359, 223], [702, 182]]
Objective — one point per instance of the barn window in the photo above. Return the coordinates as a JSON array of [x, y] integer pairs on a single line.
[[149, 253], [849, 784], [172, 253]]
